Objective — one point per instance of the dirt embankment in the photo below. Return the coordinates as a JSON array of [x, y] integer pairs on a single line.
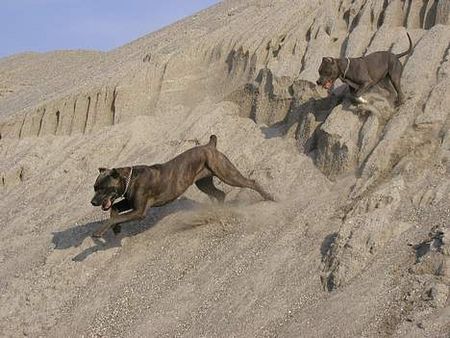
[[357, 243]]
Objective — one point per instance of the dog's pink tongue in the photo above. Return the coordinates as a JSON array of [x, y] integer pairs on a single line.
[[328, 85], [106, 205]]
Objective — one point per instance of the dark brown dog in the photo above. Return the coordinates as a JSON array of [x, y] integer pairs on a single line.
[[364, 72], [143, 186]]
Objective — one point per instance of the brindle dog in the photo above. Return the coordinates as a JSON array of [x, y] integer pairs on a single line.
[[364, 72], [144, 186]]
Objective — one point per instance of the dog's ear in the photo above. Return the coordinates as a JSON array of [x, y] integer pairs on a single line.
[[102, 170], [115, 173], [327, 59]]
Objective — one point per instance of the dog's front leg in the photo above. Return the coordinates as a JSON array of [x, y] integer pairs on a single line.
[[118, 208], [361, 91], [116, 228], [134, 215]]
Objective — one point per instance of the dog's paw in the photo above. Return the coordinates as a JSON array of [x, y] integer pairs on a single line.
[[360, 99]]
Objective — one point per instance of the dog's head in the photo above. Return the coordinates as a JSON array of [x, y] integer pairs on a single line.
[[107, 188], [328, 72]]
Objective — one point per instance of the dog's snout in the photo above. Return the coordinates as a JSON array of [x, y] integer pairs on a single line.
[[94, 203], [318, 82]]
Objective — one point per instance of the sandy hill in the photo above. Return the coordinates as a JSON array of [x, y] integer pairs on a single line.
[[358, 243]]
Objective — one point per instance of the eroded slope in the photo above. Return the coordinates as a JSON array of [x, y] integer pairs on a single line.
[[357, 243]]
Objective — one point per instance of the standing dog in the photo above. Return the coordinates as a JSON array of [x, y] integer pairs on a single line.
[[143, 186], [364, 72]]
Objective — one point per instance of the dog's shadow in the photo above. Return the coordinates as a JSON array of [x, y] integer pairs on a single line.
[[75, 236]]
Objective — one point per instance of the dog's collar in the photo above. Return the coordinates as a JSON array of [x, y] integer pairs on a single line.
[[346, 68], [127, 182]]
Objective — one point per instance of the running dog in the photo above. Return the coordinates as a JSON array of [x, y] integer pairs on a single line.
[[364, 72], [145, 186]]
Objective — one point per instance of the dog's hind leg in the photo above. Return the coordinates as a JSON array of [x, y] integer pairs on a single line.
[[222, 167], [395, 74], [206, 185]]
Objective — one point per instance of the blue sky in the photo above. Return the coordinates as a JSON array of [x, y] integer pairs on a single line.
[[43, 25]]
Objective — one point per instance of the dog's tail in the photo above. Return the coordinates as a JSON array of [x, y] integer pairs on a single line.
[[409, 50], [213, 141]]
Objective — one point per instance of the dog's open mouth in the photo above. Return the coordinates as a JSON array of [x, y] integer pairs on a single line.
[[106, 205], [328, 84]]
